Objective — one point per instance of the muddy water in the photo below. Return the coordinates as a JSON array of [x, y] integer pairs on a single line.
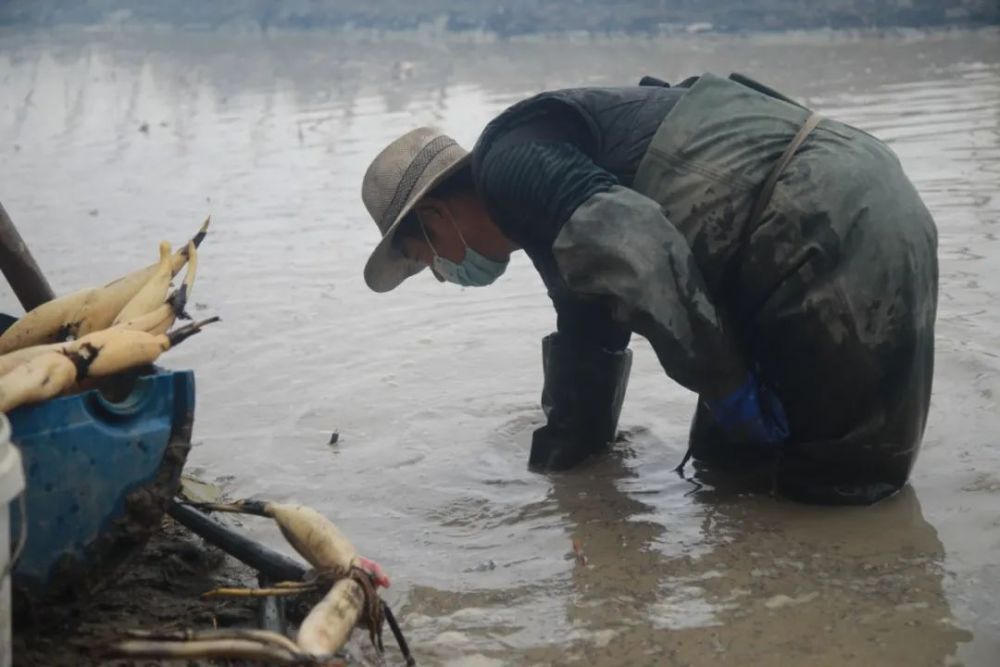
[[110, 141]]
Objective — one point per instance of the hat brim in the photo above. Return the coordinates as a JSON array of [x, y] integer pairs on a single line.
[[387, 267]]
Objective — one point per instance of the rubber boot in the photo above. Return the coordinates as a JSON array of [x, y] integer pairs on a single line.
[[582, 399]]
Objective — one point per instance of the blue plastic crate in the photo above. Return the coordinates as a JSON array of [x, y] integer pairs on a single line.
[[99, 474]]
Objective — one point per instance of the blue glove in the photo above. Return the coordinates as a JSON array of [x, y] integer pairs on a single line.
[[751, 414]]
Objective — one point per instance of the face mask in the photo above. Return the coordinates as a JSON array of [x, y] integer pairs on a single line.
[[473, 271]]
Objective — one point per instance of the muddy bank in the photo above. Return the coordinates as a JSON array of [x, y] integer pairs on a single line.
[[160, 589], [515, 17]]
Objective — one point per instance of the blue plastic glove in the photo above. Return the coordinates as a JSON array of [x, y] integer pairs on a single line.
[[751, 414]]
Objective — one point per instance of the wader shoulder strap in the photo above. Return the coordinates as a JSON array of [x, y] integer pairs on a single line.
[[741, 319], [767, 189]]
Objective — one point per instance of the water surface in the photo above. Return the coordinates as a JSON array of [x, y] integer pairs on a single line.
[[110, 141]]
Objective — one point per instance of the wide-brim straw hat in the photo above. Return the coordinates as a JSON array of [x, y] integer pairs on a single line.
[[400, 176]]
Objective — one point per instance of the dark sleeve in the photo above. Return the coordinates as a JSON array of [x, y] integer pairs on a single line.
[[588, 322], [532, 187], [619, 245], [615, 249]]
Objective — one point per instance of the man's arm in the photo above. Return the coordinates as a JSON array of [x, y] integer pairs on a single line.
[[586, 365], [618, 244], [615, 246]]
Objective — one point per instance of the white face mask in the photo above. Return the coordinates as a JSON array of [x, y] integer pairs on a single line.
[[473, 271]]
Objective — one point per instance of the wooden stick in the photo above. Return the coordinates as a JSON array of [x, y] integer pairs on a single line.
[[20, 268], [255, 592]]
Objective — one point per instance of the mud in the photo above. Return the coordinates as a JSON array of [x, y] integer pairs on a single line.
[[158, 590]]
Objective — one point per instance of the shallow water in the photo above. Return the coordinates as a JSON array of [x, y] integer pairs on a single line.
[[110, 141]]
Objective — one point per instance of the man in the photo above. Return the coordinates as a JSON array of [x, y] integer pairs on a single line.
[[781, 265]]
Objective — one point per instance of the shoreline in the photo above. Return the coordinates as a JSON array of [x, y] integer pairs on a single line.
[[433, 35], [516, 18], [160, 588]]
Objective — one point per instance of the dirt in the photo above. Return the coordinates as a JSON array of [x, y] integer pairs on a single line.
[[159, 590]]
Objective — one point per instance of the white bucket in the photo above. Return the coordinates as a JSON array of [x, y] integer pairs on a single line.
[[11, 486]]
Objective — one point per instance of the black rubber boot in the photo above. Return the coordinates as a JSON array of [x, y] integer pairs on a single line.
[[582, 398]]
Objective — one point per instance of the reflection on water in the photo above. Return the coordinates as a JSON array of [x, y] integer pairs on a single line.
[[816, 587], [111, 141]]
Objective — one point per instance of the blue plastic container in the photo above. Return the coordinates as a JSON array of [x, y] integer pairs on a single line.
[[99, 475]]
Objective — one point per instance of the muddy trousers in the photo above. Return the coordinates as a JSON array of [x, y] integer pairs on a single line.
[[860, 468], [857, 400]]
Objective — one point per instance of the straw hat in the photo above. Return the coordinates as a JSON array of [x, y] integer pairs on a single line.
[[396, 180]]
